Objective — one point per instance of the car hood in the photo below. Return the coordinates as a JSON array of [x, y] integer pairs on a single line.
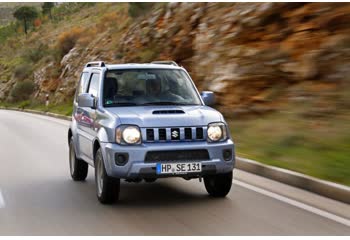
[[164, 116]]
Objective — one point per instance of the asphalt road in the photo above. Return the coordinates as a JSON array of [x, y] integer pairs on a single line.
[[37, 196]]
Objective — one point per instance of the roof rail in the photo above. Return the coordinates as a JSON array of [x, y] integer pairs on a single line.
[[96, 64], [165, 62]]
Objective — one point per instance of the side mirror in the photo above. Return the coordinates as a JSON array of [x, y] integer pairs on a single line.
[[208, 98], [86, 100]]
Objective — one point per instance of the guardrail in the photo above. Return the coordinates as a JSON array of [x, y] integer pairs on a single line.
[[325, 188]]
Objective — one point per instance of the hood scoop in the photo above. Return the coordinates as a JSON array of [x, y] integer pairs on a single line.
[[168, 112]]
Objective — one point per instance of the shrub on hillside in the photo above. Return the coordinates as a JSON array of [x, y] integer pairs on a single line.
[[137, 9], [35, 54], [7, 31], [61, 11], [67, 40], [24, 104], [23, 71], [22, 90], [147, 55], [89, 34]]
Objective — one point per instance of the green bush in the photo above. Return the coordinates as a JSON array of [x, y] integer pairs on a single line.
[[7, 31], [148, 55], [63, 10], [36, 54], [137, 9], [23, 71], [24, 104], [22, 90]]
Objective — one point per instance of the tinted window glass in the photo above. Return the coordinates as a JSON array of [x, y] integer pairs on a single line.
[[94, 84], [82, 84], [148, 87]]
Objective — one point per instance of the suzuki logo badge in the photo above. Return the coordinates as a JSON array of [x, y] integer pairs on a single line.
[[174, 134]]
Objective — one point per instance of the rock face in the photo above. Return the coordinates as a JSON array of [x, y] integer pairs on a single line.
[[255, 56], [251, 54]]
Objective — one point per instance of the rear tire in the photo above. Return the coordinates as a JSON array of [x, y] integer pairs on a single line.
[[107, 188], [218, 185], [78, 168]]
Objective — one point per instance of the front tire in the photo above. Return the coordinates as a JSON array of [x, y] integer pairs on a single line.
[[218, 185], [107, 188], [78, 168]]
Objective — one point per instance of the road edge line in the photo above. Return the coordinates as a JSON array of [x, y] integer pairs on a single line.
[[321, 187], [293, 202]]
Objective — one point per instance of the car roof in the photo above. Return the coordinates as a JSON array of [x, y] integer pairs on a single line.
[[141, 66], [136, 66]]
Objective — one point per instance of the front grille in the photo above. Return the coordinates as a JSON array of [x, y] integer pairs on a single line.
[[150, 134], [199, 133], [161, 134], [188, 133], [174, 134], [179, 155]]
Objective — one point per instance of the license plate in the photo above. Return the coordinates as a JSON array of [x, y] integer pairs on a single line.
[[179, 168]]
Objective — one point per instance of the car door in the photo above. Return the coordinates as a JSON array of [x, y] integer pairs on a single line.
[[78, 111], [87, 118]]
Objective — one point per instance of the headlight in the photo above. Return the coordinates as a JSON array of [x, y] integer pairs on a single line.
[[216, 132], [128, 135]]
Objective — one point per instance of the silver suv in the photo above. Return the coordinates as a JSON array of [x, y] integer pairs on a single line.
[[143, 122]]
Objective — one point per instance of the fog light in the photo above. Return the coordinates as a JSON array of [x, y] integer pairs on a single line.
[[227, 154], [121, 158]]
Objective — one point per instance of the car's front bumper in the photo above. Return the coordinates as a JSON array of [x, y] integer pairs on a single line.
[[136, 167]]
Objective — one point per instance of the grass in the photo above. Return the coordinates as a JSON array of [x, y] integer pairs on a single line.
[[63, 108], [316, 147]]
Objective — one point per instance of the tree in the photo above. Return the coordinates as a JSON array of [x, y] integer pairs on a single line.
[[47, 8], [26, 14]]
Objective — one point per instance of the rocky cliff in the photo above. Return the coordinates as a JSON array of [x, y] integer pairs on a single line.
[[257, 57]]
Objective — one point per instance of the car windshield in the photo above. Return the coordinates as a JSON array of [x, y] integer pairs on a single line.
[[142, 87]]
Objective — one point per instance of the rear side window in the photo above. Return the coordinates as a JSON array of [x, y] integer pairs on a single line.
[[94, 84], [82, 84]]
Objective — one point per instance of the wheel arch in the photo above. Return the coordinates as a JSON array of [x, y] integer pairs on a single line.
[[70, 135], [96, 145]]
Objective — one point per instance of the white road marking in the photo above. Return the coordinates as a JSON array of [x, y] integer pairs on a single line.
[[2, 201], [295, 203]]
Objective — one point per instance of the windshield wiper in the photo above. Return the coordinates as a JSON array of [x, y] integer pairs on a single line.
[[163, 103], [120, 104]]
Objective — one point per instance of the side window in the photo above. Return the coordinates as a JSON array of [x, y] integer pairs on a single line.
[[82, 84], [94, 84]]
